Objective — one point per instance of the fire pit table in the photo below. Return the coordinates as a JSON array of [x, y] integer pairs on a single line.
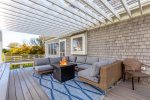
[[63, 73]]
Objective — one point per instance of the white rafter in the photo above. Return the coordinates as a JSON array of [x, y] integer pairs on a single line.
[[98, 9], [43, 4], [81, 7], [75, 12], [124, 3], [140, 6], [63, 17], [22, 15], [109, 6], [46, 14]]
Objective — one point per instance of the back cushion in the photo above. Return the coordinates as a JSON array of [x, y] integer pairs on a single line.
[[91, 60], [81, 59], [72, 58], [55, 60], [111, 61], [41, 61]]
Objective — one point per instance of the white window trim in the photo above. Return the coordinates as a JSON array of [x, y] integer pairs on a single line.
[[48, 49], [65, 45], [84, 44]]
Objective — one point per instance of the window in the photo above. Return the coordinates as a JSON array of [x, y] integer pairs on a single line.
[[52, 49], [78, 44]]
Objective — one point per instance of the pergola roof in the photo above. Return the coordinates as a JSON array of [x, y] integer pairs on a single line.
[[63, 17]]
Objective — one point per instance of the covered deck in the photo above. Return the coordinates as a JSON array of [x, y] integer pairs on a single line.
[[22, 86]]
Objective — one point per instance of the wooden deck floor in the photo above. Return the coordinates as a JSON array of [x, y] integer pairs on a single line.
[[123, 91], [23, 87]]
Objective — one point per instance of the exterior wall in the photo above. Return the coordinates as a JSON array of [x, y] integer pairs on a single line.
[[129, 38]]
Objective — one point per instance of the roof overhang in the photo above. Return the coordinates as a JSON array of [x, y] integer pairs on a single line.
[[65, 17]]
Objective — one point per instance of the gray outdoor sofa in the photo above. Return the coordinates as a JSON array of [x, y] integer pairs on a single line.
[[44, 65], [94, 70]]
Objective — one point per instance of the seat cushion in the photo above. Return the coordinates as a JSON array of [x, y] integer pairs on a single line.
[[84, 66], [91, 60], [41, 61], [86, 74], [43, 68], [55, 60], [72, 58], [81, 59]]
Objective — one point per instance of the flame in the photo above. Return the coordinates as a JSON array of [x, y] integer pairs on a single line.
[[64, 61]]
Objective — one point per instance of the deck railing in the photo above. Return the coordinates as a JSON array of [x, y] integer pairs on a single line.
[[17, 58]]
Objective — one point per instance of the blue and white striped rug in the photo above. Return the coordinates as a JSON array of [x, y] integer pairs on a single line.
[[69, 90]]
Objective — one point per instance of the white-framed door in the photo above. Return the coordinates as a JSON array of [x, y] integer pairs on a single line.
[[62, 47]]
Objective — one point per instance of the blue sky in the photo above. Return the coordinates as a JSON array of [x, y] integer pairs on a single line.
[[9, 36]]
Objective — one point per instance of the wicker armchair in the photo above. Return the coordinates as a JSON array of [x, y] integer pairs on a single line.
[[133, 67]]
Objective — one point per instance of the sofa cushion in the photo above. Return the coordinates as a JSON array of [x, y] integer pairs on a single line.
[[41, 61], [72, 58], [86, 74], [81, 59], [66, 57], [91, 60], [55, 60], [43, 68], [95, 69], [84, 66]]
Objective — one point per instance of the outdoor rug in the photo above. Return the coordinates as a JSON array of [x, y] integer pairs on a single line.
[[69, 90]]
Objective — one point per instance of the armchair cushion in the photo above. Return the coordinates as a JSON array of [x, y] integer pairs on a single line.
[[41, 61]]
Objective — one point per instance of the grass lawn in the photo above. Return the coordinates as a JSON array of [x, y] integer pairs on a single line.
[[18, 66]]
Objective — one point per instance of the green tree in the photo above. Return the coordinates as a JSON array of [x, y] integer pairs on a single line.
[[5, 50]]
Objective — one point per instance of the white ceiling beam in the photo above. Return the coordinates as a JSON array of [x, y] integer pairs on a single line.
[[33, 29], [4, 10], [30, 24], [98, 9], [54, 9], [109, 6], [32, 21], [124, 3], [41, 14], [81, 7], [140, 7], [62, 4]]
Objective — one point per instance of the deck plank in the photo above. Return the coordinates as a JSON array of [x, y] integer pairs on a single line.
[[26, 92], [2, 69], [22, 86], [32, 90], [12, 90], [19, 92], [123, 91], [39, 90], [4, 81]]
